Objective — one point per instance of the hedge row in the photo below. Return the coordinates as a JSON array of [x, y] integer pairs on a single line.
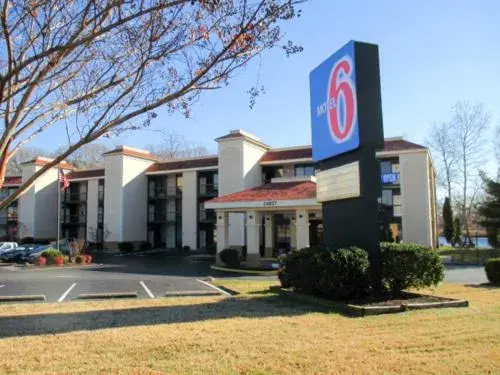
[[345, 273]]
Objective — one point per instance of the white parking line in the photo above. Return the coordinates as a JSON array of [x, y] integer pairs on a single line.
[[213, 286], [147, 289], [1, 286], [66, 293]]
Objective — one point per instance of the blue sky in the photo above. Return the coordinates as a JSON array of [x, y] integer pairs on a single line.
[[432, 54]]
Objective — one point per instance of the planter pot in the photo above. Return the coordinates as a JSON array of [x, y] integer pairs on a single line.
[[59, 261], [42, 261]]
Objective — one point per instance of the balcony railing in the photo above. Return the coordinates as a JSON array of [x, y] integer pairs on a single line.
[[12, 216], [206, 215], [74, 197], [164, 192], [75, 219], [169, 216], [209, 189]]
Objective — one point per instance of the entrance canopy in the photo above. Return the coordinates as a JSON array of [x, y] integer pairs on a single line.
[[279, 194]]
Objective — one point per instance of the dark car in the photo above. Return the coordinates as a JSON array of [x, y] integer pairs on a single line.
[[32, 253], [16, 254]]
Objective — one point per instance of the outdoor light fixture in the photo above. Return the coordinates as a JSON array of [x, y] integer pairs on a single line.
[[251, 217], [300, 216], [220, 217]]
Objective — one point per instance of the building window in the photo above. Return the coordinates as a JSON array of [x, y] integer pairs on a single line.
[[396, 202], [387, 197], [269, 173], [385, 167], [304, 170]]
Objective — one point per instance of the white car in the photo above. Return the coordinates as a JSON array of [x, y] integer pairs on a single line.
[[5, 247]]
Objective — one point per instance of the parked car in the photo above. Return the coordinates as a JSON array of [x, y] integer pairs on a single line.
[[31, 256], [17, 254], [6, 247]]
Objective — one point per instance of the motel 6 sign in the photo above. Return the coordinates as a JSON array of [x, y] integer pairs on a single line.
[[334, 105]]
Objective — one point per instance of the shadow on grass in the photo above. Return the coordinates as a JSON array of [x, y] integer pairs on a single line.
[[253, 307], [483, 286]]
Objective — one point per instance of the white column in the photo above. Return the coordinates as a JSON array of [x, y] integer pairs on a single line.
[[302, 229], [253, 239], [222, 233], [293, 233], [269, 235], [92, 203], [189, 209]]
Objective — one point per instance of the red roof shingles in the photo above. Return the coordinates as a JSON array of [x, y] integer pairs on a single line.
[[40, 161], [84, 174], [13, 180], [305, 152], [173, 165], [278, 191]]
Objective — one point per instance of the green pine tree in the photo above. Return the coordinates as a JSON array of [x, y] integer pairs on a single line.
[[489, 210], [448, 221], [457, 232]]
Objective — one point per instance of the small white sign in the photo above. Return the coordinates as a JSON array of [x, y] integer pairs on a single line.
[[338, 183]]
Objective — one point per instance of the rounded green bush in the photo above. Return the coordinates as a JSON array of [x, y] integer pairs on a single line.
[[126, 247], [230, 257], [409, 265], [333, 273], [492, 269]]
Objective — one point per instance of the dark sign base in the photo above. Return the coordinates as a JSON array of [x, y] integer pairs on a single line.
[[355, 222]]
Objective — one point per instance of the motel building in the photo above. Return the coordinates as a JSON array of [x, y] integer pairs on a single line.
[[249, 196]]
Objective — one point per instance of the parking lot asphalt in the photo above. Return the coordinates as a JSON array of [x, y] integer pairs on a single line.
[[142, 277], [147, 277]]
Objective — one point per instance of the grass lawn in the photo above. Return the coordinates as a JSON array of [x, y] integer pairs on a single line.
[[257, 332]]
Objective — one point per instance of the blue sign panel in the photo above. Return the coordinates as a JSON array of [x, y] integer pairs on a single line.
[[390, 178], [334, 105]]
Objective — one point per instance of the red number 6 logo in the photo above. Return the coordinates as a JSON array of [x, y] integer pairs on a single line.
[[341, 90]]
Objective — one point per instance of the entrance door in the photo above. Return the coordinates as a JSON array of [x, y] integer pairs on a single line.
[[282, 235], [315, 233]]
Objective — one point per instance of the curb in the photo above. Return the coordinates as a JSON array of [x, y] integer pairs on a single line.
[[107, 295], [357, 310], [244, 271], [51, 268], [35, 297], [193, 293]]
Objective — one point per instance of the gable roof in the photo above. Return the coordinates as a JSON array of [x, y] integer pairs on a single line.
[[86, 173], [12, 180], [274, 191], [180, 164], [305, 152]]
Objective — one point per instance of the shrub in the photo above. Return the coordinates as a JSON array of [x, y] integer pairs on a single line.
[[80, 259], [230, 257], [143, 246], [492, 269], [186, 249], [126, 247], [333, 273], [51, 255], [65, 259], [407, 265]]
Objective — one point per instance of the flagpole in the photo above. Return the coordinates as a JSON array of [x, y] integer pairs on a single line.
[[58, 206]]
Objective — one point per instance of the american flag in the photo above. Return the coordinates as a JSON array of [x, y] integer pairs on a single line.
[[63, 180]]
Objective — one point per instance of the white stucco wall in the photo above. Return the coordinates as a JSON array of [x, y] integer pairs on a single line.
[[134, 198], [92, 202], [125, 208], [239, 169], [189, 209], [26, 210], [416, 195], [113, 196]]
